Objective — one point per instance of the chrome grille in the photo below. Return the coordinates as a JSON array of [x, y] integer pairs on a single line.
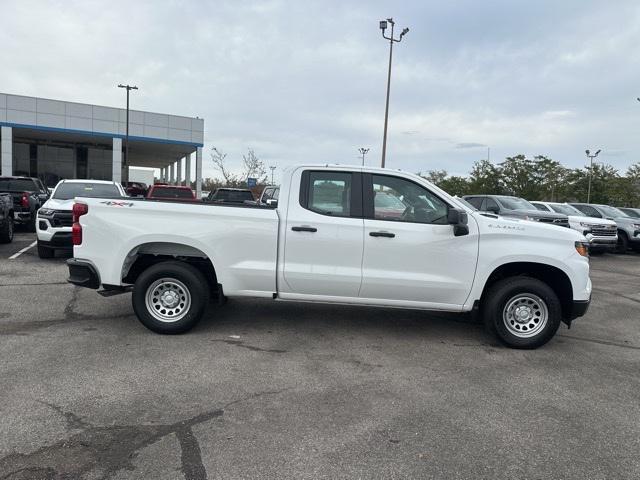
[[600, 231]]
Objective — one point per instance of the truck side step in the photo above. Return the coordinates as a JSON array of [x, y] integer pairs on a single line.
[[111, 290]]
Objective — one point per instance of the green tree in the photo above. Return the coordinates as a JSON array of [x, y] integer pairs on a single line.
[[485, 178]]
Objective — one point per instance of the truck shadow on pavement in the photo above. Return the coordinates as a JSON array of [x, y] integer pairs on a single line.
[[322, 320]]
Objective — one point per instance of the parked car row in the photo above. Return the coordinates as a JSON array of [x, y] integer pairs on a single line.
[[606, 228]]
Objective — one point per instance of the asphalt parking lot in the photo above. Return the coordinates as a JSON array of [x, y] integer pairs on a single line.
[[278, 390]]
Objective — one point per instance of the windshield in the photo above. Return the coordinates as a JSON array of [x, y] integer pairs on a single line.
[[515, 203], [566, 209], [463, 201], [632, 213], [67, 191], [17, 184], [611, 211]]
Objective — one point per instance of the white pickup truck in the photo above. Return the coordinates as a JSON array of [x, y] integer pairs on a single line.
[[329, 240]]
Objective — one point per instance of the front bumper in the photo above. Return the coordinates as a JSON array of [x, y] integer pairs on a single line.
[[634, 237], [83, 274], [59, 241], [578, 309], [22, 217]]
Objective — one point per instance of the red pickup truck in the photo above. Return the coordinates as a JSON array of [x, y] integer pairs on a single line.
[[171, 193]]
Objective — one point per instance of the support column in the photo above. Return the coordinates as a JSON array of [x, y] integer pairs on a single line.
[[172, 174], [116, 164], [163, 174], [179, 172], [187, 170], [199, 172], [6, 151]]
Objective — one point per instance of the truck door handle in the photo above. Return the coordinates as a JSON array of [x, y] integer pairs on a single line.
[[304, 229], [382, 234]]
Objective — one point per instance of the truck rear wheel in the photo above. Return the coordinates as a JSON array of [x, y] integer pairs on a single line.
[[522, 312], [45, 252], [170, 297]]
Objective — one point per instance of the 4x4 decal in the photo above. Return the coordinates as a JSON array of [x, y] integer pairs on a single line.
[[111, 203]]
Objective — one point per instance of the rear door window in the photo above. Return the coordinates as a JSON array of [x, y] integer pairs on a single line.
[[331, 193]]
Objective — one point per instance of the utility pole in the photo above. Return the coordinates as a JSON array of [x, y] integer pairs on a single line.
[[590, 157], [272, 167], [383, 27], [363, 151], [126, 138]]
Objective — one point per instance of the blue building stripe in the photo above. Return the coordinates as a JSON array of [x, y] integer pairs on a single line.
[[100, 134]]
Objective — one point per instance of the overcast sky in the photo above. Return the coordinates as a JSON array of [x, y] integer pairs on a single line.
[[305, 80]]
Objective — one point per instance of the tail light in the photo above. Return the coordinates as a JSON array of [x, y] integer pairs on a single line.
[[24, 201], [78, 210]]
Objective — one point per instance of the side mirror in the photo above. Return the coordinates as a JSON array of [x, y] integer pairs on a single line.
[[458, 218], [271, 202], [493, 209]]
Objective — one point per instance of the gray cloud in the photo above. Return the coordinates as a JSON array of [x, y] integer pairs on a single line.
[[466, 145], [305, 81]]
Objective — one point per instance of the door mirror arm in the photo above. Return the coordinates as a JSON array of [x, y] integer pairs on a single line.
[[459, 219]]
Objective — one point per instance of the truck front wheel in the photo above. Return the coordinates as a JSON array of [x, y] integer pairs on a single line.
[[170, 297], [522, 312]]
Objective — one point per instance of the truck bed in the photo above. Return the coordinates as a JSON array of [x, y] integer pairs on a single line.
[[240, 240]]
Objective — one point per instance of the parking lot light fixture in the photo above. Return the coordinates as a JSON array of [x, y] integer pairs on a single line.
[[590, 157], [392, 40], [126, 138], [363, 151]]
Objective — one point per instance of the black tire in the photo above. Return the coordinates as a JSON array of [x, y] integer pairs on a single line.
[[623, 242], [45, 252], [183, 282], [6, 232], [509, 291], [31, 226]]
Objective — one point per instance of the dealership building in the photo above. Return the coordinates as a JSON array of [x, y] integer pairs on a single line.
[[54, 139]]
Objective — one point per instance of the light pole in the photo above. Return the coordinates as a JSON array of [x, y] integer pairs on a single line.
[[383, 27], [363, 151], [591, 157], [126, 138], [272, 167]]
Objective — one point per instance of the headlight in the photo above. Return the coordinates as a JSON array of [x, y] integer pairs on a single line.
[[46, 212], [585, 224], [582, 248], [636, 225]]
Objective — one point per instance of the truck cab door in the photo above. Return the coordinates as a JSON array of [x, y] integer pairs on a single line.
[[411, 255], [323, 235]]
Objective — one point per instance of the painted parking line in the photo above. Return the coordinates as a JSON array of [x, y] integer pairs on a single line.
[[20, 252]]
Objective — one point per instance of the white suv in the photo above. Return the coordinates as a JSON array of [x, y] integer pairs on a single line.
[[601, 233], [54, 222]]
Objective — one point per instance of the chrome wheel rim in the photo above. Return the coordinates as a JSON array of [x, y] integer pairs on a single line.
[[525, 315], [168, 300]]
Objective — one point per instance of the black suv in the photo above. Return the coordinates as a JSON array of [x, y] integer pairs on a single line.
[[515, 207], [28, 195]]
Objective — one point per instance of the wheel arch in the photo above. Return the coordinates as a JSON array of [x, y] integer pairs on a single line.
[[553, 276], [148, 254]]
